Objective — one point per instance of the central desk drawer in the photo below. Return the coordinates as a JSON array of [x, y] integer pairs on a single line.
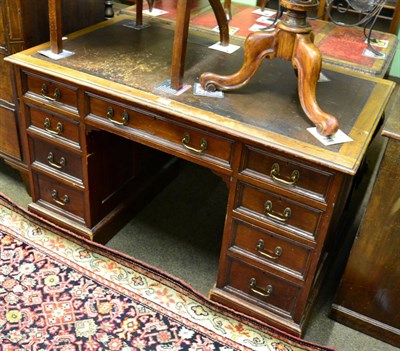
[[278, 210], [162, 130]]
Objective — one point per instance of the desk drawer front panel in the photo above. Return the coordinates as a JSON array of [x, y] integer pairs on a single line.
[[262, 288], [56, 158], [162, 130], [52, 92], [271, 249], [282, 171], [67, 199], [55, 126], [278, 210]]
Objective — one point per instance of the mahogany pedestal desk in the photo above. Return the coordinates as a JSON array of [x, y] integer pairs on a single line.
[[100, 133]]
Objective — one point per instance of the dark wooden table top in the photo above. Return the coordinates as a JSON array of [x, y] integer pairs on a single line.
[[127, 63]]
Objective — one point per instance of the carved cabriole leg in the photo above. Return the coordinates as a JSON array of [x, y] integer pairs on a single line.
[[308, 61], [291, 41], [258, 45]]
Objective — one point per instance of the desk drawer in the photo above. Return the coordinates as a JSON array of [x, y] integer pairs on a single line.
[[56, 158], [51, 92], [54, 126], [286, 172], [262, 288], [270, 249], [69, 201], [278, 210], [162, 131]]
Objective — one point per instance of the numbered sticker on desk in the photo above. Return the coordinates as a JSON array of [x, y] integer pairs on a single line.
[[232, 30], [229, 49], [258, 27], [380, 43], [265, 20], [198, 90], [378, 55], [265, 12], [338, 138], [155, 12]]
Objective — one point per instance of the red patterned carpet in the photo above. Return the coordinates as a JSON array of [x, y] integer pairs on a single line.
[[58, 292]]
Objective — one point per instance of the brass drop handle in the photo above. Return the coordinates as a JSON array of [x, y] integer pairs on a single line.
[[110, 117], [58, 165], [272, 255], [47, 126], [186, 142], [259, 291], [282, 217], [45, 91], [63, 202], [294, 177]]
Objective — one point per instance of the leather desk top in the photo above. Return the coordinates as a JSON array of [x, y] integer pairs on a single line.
[[266, 111]]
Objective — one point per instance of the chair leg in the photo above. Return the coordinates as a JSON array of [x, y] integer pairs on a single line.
[[228, 9], [139, 12], [263, 4], [180, 43], [222, 21], [150, 3]]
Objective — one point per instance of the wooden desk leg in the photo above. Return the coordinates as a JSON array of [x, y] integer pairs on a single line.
[[228, 9], [222, 21], [288, 45], [55, 23], [308, 61], [257, 46], [181, 35], [180, 43], [151, 4], [263, 4], [139, 12]]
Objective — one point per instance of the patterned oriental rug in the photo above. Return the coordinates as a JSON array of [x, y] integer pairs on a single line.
[[60, 292]]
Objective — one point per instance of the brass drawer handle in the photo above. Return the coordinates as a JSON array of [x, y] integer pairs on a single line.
[[272, 255], [59, 165], [294, 177], [110, 117], [186, 142], [282, 217], [45, 92], [47, 126], [63, 202], [262, 292]]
